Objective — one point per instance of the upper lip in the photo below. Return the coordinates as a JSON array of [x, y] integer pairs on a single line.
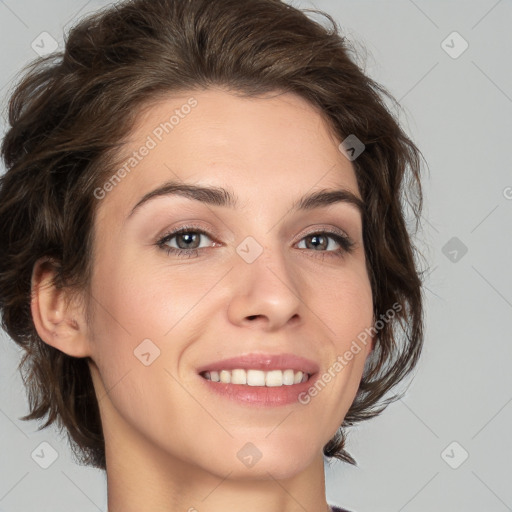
[[264, 362]]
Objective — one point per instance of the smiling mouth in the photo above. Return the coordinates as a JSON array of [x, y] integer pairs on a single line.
[[250, 377]]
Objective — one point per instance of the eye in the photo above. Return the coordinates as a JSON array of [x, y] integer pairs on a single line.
[[184, 241], [329, 242]]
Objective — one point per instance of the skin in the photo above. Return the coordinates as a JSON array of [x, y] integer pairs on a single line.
[[171, 445]]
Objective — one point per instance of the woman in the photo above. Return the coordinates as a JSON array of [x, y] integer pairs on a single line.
[[204, 252]]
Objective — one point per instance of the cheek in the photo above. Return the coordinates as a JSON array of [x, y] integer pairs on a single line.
[[133, 312], [344, 304], [142, 303], [343, 300], [136, 303]]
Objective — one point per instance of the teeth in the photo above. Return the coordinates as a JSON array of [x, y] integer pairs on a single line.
[[272, 378], [225, 376]]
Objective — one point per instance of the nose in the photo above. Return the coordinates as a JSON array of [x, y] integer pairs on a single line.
[[265, 293]]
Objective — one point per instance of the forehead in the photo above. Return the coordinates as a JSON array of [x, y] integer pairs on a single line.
[[268, 149]]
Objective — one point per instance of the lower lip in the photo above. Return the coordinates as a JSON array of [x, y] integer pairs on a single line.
[[261, 395]]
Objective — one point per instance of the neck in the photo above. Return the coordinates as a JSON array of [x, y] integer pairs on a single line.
[[142, 477], [136, 484]]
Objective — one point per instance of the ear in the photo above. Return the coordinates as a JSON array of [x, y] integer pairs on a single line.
[[58, 321]]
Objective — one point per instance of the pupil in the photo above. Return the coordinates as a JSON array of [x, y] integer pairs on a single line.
[[315, 239], [189, 238]]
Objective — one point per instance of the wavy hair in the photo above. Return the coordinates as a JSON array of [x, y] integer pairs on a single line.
[[70, 112]]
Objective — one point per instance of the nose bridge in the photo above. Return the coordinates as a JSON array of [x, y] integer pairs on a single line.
[[265, 286]]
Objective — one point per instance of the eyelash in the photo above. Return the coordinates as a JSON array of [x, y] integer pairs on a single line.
[[344, 241]]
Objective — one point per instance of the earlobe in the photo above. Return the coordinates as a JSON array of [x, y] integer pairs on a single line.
[[59, 322]]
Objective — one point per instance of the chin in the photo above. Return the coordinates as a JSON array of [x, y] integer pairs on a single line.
[[264, 460]]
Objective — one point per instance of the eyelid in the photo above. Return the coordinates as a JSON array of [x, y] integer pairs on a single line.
[[324, 227], [209, 232]]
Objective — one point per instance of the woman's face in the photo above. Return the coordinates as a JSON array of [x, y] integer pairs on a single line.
[[251, 278]]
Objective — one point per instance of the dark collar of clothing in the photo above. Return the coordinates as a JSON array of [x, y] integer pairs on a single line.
[[338, 509]]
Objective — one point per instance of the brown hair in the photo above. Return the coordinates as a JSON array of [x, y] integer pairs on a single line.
[[68, 118]]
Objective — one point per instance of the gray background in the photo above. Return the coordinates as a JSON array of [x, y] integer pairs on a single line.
[[459, 112]]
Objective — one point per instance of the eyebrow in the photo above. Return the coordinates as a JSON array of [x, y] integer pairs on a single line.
[[218, 196]]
